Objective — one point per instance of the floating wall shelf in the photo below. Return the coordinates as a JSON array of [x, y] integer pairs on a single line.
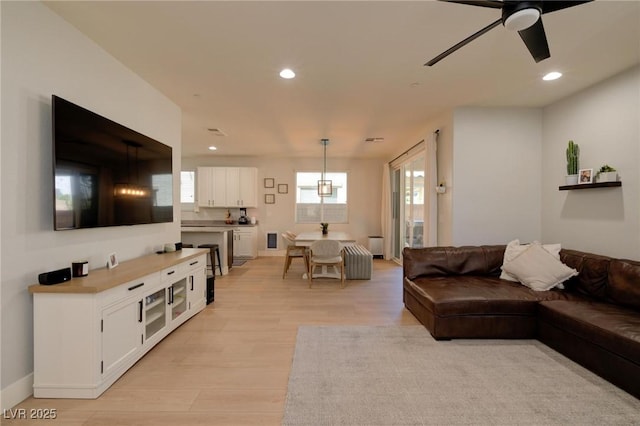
[[589, 185]]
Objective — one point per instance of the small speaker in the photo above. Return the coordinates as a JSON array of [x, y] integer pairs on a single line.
[[55, 277]]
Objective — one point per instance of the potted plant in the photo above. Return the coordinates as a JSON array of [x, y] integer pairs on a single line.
[[573, 152], [607, 174], [325, 228]]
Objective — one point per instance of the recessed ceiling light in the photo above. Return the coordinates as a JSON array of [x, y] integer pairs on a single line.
[[554, 75], [287, 73], [212, 148]]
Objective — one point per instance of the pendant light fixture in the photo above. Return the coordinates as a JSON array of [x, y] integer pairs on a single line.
[[325, 187], [130, 189]]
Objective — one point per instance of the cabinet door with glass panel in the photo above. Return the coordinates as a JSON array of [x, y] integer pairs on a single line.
[[155, 315], [177, 301]]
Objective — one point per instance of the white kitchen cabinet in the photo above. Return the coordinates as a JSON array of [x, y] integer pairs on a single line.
[[242, 187], [212, 186], [196, 297], [227, 186], [245, 242], [89, 331], [121, 335]]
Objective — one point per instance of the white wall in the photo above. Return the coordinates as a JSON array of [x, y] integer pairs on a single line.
[[363, 192], [605, 121], [43, 55], [496, 175]]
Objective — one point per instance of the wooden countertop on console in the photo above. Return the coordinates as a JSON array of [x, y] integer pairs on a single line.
[[104, 279]]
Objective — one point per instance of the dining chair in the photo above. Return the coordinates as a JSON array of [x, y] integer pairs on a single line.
[[326, 253], [293, 251]]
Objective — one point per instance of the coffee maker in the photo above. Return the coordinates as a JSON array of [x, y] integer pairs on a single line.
[[243, 219]]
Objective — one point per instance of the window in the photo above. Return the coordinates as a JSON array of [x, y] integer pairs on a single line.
[[311, 208], [187, 186], [162, 189]]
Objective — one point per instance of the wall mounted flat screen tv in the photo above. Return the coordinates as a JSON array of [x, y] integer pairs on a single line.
[[107, 174]]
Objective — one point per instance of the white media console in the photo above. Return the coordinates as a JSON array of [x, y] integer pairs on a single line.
[[90, 330]]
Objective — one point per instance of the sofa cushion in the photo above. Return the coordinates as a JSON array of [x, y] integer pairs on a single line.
[[479, 295], [593, 271], [538, 269], [612, 327], [432, 261], [624, 283], [514, 248]]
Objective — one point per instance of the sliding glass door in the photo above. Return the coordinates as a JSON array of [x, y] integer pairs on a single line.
[[408, 199]]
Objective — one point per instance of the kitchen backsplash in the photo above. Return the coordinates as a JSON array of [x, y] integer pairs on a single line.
[[216, 214]]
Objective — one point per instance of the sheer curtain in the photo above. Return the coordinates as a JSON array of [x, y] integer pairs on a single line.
[[430, 228], [431, 196], [385, 214]]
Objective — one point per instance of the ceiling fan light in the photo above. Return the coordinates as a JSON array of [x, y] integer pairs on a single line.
[[522, 19]]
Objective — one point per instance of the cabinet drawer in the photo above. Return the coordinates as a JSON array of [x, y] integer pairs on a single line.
[[132, 288], [175, 272], [196, 263]]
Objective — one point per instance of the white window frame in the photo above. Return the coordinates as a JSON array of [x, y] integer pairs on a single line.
[[188, 205], [323, 214]]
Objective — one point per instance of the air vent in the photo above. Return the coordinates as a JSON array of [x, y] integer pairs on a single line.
[[374, 140], [216, 131]]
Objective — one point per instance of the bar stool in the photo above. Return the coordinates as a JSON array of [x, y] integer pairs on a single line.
[[213, 248]]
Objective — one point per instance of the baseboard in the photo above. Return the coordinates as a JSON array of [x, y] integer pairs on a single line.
[[17, 392]]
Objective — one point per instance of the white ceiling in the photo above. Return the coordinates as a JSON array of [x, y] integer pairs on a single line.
[[359, 66]]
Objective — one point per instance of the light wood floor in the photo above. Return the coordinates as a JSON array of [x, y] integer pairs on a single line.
[[229, 364]]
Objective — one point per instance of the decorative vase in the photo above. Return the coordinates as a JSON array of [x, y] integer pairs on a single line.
[[325, 231], [571, 179]]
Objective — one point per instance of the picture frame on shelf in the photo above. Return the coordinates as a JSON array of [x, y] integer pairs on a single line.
[[112, 261], [585, 176], [269, 198], [283, 188], [269, 183]]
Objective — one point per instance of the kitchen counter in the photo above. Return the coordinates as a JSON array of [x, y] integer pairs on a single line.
[[211, 224]]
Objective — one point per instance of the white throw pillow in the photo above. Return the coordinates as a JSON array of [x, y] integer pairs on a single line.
[[514, 248], [538, 269]]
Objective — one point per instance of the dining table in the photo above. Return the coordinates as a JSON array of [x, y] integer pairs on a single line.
[[306, 238]]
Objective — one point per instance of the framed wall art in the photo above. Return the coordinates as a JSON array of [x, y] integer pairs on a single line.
[[585, 176], [112, 261]]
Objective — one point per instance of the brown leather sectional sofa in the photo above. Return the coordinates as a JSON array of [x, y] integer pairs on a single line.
[[456, 292]]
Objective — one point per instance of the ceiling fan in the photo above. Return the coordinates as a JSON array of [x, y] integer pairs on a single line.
[[521, 16]]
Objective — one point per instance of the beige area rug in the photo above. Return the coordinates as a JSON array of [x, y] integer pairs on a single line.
[[399, 375]]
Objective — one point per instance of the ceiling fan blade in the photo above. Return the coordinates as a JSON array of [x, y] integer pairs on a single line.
[[494, 4], [463, 43], [552, 6], [536, 40]]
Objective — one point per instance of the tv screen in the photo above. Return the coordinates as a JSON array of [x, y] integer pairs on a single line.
[[107, 174]]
